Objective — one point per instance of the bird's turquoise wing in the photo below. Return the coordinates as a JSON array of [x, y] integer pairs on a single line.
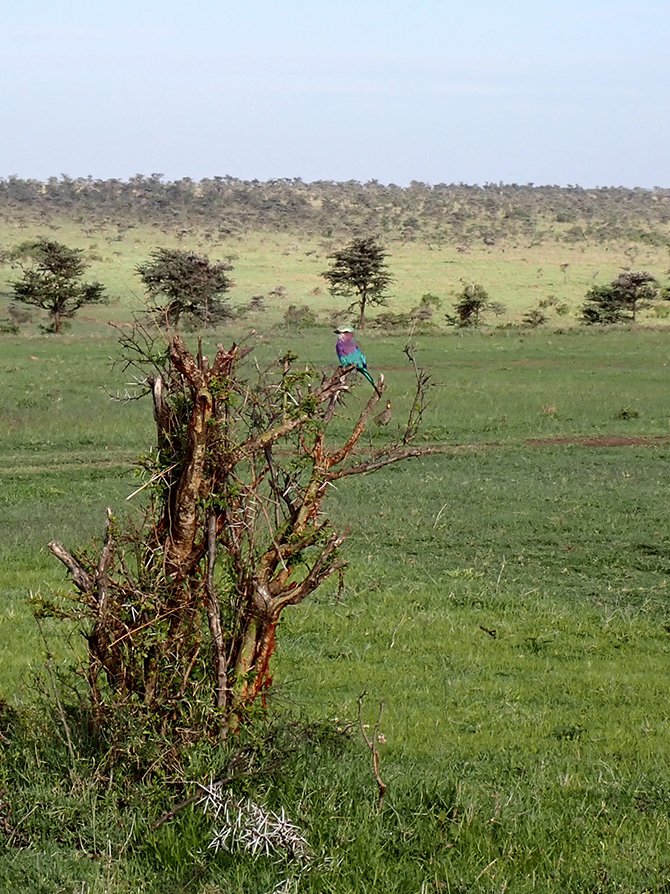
[[359, 359], [355, 358]]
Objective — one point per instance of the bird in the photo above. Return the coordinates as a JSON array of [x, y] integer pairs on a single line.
[[384, 417], [350, 354]]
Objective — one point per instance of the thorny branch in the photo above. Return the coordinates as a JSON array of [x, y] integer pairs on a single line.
[[183, 609]]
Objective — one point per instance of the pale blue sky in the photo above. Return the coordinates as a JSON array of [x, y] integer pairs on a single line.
[[474, 91]]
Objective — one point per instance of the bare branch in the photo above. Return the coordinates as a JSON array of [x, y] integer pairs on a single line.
[[161, 411], [213, 609], [102, 575], [347, 448], [83, 581], [372, 743], [184, 362], [394, 455], [322, 568], [418, 406]]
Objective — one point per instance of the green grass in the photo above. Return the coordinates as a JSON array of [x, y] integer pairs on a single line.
[[507, 602], [518, 274]]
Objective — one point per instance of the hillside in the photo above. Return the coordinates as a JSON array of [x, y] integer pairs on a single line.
[[530, 246]]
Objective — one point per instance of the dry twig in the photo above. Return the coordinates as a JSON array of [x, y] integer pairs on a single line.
[[372, 743]]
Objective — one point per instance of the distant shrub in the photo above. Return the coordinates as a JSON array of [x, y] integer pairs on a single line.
[[600, 308], [534, 318], [426, 308], [19, 315], [575, 234], [390, 320], [554, 302], [497, 308], [299, 316], [430, 300], [471, 305], [257, 303], [620, 301]]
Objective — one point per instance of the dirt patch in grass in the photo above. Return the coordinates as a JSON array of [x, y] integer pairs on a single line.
[[537, 363], [600, 441]]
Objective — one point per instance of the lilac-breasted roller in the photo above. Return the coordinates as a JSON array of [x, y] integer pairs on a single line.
[[350, 354]]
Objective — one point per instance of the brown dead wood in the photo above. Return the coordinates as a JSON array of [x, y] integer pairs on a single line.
[[183, 610]]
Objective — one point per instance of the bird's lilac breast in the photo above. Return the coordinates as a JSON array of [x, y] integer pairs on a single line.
[[346, 347]]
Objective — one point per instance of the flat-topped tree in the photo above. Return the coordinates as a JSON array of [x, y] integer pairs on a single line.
[[182, 612], [52, 280]]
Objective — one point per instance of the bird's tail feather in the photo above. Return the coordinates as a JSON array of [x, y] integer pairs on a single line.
[[367, 375]]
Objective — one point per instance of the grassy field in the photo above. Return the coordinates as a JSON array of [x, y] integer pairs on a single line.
[[507, 601], [518, 275]]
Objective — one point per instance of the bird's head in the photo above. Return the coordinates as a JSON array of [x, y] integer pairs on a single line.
[[343, 330]]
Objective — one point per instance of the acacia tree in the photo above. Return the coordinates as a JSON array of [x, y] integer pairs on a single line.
[[51, 280], [181, 612], [620, 301], [471, 304], [189, 283], [359, 271]]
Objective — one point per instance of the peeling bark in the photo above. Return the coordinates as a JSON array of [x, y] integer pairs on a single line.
[[184, 521]]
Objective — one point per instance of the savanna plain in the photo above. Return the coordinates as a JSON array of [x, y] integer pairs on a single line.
[[506, 601]]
